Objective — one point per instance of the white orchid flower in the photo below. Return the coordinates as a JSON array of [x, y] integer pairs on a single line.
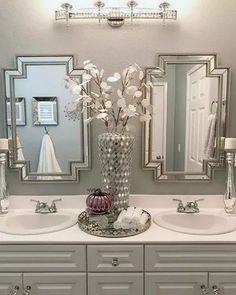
[[145, 118], [131, 90], [87, 61], [138, 93], [94, 72], [116, 77], [132, 69], [145, 102], [131, 111], [141, 75], [101, 116], [119, 93], [108, 104], [87, 77], [101, 73], [121, 103]]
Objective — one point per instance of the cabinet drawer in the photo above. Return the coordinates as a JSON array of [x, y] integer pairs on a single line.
[[114, 283], [190, 258], [42, 258], [115, 258], [179, 283]]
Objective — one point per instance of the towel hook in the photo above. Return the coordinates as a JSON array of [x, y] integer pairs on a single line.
[[212, 104], [46, 130]]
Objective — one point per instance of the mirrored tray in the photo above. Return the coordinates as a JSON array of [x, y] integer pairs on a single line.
[[101, 229]]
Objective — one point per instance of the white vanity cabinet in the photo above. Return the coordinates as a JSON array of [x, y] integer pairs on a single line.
[[118, 269]]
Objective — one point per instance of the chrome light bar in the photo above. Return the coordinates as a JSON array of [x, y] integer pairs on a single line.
[[116, 16]]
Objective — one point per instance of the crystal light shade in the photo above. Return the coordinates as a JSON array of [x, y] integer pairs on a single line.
[[116, 16]]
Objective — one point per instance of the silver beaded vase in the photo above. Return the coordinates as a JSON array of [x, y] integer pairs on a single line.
[[115, 153]]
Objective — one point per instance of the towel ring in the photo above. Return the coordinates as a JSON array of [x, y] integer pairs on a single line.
[[46, 130], [214, 102]]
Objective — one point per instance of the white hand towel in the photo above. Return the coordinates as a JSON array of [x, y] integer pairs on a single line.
[[208, 151], [20, 155], [47, 159]]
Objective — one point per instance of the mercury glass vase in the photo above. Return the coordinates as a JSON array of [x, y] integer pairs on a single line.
[[115, 153]]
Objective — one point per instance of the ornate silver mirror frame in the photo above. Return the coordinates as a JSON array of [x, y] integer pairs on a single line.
[[11, 77], [151, 159]]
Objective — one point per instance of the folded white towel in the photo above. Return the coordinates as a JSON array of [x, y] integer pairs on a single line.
[[208, 151], [131, 218], [47, 159], [128, 216]]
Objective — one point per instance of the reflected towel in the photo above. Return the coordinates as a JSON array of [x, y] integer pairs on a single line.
[[47, 159], [20, 155], [209, 143]]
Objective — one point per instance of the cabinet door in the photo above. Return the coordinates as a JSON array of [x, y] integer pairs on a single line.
[[55, 283], [175, 283], [224, 282], [115, 284], [10, 282]]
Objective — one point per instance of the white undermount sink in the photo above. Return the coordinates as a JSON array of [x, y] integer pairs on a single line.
[[30, 223], [203, 223]]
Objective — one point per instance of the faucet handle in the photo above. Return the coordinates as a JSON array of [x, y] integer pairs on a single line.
[[180, 207], [53, 207], [199, 200]]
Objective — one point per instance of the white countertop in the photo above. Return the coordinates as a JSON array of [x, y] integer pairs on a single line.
[[155, 234]]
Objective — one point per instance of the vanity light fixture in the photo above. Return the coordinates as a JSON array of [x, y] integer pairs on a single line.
[[116, 16]]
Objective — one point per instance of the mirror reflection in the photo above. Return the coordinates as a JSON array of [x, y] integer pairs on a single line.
[[47, 146], [189, 99]]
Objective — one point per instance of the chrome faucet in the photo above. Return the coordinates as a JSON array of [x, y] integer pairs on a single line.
[[43, 207], [190, 207]]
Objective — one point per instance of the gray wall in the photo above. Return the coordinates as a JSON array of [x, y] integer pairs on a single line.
[[28, 27]]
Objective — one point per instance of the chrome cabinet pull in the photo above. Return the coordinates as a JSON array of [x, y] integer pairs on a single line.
[[115, 261], [27, 290], [216, 290], [204, 290], [15, 290]]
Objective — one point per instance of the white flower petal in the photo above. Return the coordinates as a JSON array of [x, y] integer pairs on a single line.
[[119, 93], [145, 102], [87, 77], [141, 75], [138, 93], [121, 103], [131, 90], [104, 85], [113, 79], [101, 73], [108, 104], [117, 75], [132, 108], [101, 116], [145, 118], [87, 61]]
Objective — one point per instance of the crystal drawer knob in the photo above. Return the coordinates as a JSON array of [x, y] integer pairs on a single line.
[[115, 262]]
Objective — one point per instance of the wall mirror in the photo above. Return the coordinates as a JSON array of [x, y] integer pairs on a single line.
[[45, 147], [190, 100]]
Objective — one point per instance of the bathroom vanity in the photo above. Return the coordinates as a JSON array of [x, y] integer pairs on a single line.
[[156, 262]]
